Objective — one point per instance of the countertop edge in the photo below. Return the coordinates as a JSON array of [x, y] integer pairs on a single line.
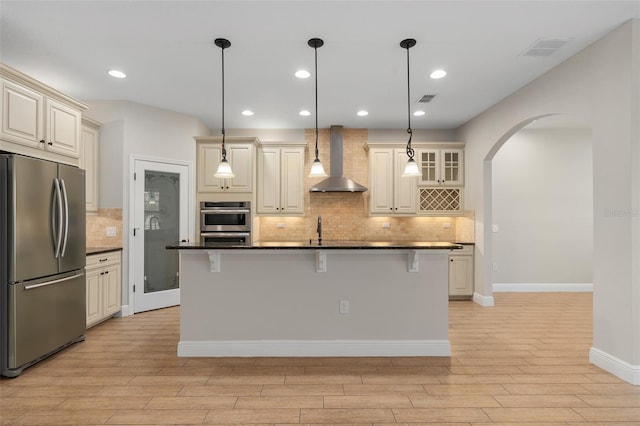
[[390, 246], [90, 251]]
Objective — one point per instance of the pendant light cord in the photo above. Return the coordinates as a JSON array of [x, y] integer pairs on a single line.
[[315, 49], [224, 151], [410, 151]]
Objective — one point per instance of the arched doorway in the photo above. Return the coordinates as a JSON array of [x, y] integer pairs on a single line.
[[486, 298], [542, 208]]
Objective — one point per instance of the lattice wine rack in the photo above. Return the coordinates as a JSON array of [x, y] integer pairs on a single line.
[[434, 200]]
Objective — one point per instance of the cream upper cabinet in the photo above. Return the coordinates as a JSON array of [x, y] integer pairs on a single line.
[[240, 157], [89, 148], [441, 166], [438, 191], [391, 193], [22, 115], [281, 180], [63, 125], [37, 120]]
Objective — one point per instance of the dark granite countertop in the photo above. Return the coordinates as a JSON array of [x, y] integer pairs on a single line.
[[99, 250], [326, 245]]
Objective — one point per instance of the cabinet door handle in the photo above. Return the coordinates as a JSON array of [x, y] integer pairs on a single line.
[[50, 143], [41, 140], [106, 272]]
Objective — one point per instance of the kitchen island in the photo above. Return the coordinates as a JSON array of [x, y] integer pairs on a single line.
[[341, 298]]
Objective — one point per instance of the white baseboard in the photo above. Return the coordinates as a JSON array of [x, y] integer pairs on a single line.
[[295, 348], [124, 312], [617, 367], [542, 287], [486, 301]]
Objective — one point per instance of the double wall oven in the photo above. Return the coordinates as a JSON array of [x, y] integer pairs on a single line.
[[225, 223]]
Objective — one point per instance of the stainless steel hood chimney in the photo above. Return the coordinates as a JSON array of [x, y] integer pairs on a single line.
[[336, 182]]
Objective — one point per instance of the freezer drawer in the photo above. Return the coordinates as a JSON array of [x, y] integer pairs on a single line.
[[44, 315]]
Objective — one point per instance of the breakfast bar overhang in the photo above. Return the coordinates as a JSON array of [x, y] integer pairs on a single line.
[[300, 299]]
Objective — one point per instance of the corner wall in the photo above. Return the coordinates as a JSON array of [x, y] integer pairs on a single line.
[[599, 84], [132, 129]]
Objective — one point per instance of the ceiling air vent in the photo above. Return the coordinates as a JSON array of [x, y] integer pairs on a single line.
[[426, 99], [545, 47]]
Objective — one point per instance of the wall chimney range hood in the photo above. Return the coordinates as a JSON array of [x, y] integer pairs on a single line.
[[336, 182]]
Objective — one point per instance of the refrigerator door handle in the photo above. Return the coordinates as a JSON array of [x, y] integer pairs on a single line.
[[30, 287], [66, 217], [58, 231]]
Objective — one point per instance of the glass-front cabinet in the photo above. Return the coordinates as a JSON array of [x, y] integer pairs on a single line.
[[441, 167]]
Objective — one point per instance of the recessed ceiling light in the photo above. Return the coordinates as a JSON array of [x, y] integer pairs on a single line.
[[303, 74], [362, 113], [419, 113], [438, 74], [117, 74], [247, 112], [304, 112]]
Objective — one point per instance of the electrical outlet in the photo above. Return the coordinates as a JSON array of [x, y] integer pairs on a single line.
[[280, 225], [446, 225], [344, 306], [386, 225], [495, 228], [495, 266], [111, 231]]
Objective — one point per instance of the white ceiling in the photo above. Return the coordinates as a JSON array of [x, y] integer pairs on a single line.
[[166, 48]]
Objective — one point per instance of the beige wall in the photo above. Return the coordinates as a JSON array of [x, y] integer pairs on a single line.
[[599, 85]]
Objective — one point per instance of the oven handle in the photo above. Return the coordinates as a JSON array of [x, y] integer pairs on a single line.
[[225, 234], [219, 211]]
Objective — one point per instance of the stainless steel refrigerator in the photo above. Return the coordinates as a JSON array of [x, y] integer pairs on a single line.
[[42, 255]]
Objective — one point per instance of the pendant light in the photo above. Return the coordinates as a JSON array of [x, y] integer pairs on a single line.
[[316, 168], [224, 168], [411, 168]]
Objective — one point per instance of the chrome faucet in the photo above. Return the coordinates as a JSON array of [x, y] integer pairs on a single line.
[[319, 230]]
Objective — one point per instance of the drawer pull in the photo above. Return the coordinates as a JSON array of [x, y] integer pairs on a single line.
[[103, 260]]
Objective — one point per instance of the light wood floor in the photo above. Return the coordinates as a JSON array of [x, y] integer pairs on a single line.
[[523, 362]]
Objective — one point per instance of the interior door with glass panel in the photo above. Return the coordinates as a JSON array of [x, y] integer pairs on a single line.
[[161, 218]]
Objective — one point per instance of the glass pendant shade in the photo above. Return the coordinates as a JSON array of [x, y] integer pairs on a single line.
[[224, 170], [316, 169], [411, 168]]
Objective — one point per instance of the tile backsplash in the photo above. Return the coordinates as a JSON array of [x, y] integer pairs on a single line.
[[338, 223], [97, 228]]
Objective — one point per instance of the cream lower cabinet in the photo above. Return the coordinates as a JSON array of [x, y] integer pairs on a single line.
[[281, 180], [391, 193], [104, 289], [461, 272]]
